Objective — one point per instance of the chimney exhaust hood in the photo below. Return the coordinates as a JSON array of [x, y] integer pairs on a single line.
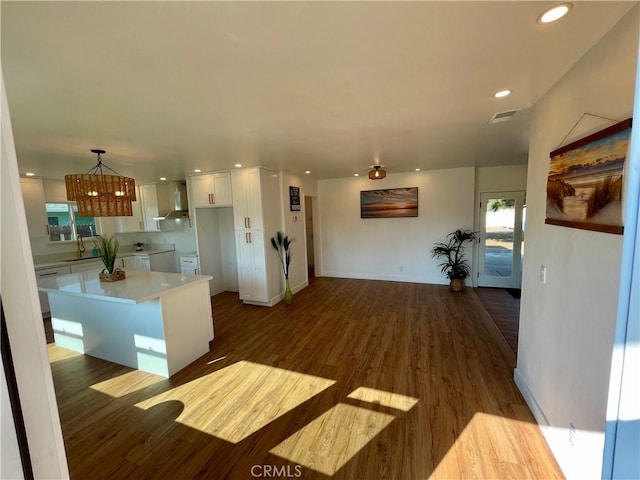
[[176, 193]]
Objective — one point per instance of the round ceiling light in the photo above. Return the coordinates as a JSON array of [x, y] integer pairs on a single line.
[[555, 13], [502, 93], [30, 174]]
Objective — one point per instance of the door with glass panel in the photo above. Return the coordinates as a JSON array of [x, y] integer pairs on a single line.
[[502, 219]]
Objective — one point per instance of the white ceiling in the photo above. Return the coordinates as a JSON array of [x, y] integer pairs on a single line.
[[167, 87]]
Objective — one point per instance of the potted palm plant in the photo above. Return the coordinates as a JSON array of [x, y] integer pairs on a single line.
[[282, 244], [454, 266], [108, 251]]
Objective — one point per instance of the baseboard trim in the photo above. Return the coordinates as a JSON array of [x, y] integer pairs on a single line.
[[384, 277], [533, 405]]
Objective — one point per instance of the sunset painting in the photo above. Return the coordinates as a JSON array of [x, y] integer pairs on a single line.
[[584, 186], [392, 202]]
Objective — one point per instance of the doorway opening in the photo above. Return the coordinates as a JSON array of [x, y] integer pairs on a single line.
[[502, 221], [501, 254], [308, 224]]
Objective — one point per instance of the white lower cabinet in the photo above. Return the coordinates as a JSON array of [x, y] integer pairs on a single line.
[[142, 263], [48, 272], [127, 263], [252, 270], [189, 265], [88, 267]]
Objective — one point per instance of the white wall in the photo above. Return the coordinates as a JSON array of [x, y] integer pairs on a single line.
[[393, 248], [217, 248], [24, 318], [507, 178], [293, 224], [567, 324]]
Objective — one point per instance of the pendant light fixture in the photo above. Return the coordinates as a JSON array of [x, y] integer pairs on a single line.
[[378, 173], [100, 195]]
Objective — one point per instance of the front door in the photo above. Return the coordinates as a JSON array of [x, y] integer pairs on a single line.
[[502, 218]]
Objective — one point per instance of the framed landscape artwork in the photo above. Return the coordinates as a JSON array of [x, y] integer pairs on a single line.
[[392, 202], [584, 186]]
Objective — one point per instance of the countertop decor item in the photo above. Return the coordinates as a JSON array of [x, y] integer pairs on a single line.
[[108, 251], [100, 195], [282, 245], [455, 266]]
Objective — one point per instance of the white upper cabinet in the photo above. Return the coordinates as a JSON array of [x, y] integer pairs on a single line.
[[133, 223], [247, 200], [33, 195], [149, 204], [211, 190]]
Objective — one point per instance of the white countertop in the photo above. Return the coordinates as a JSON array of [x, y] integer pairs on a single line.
[[54, 261], [138, 287]]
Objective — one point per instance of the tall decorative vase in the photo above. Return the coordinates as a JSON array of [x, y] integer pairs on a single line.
[[288, 294]]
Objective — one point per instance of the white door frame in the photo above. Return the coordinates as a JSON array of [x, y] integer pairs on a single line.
[[515, 280]]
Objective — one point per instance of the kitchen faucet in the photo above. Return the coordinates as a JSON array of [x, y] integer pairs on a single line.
[[81, 247]]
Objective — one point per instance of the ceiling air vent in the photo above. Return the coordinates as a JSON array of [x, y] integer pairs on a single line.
[[503, 116]]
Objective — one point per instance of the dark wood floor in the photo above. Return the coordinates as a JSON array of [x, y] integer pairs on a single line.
[[356, 380], [504, 310]]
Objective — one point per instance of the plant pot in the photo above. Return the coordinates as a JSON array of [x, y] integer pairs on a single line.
[[288, 294], [457, 284], [118, 274]]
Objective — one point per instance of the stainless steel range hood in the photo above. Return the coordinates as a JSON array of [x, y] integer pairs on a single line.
[[177, 201]]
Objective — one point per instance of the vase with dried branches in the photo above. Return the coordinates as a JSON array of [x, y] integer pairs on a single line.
[[282, 245]]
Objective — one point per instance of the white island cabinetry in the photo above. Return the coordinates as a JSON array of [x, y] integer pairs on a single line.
[[151, 321]]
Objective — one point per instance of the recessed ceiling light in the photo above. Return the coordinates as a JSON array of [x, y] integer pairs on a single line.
[[502, 93], [418, 169], [555, 13], [163, 178], [197, 170], [356, 174], [238, 165], [307, 172], [30, 174]]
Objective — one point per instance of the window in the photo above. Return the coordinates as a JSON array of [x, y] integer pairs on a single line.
[[65, 224]]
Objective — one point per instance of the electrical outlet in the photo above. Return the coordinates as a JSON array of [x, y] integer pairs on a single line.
[[401, 268], [543, 274]]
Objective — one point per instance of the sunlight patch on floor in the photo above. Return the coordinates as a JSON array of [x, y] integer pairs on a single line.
[[386, 399], [326, 443], [126, 383], [238, 400], [463, 459]]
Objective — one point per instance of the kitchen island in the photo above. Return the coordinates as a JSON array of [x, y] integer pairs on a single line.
[[152, 321]]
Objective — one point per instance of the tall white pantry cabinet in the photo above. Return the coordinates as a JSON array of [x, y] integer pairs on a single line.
[[257, 218]]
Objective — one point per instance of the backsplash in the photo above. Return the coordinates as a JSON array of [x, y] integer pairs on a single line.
[[184, 241]]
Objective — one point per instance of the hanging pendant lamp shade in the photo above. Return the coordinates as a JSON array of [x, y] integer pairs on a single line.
[[378, 173], [100, 195]]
